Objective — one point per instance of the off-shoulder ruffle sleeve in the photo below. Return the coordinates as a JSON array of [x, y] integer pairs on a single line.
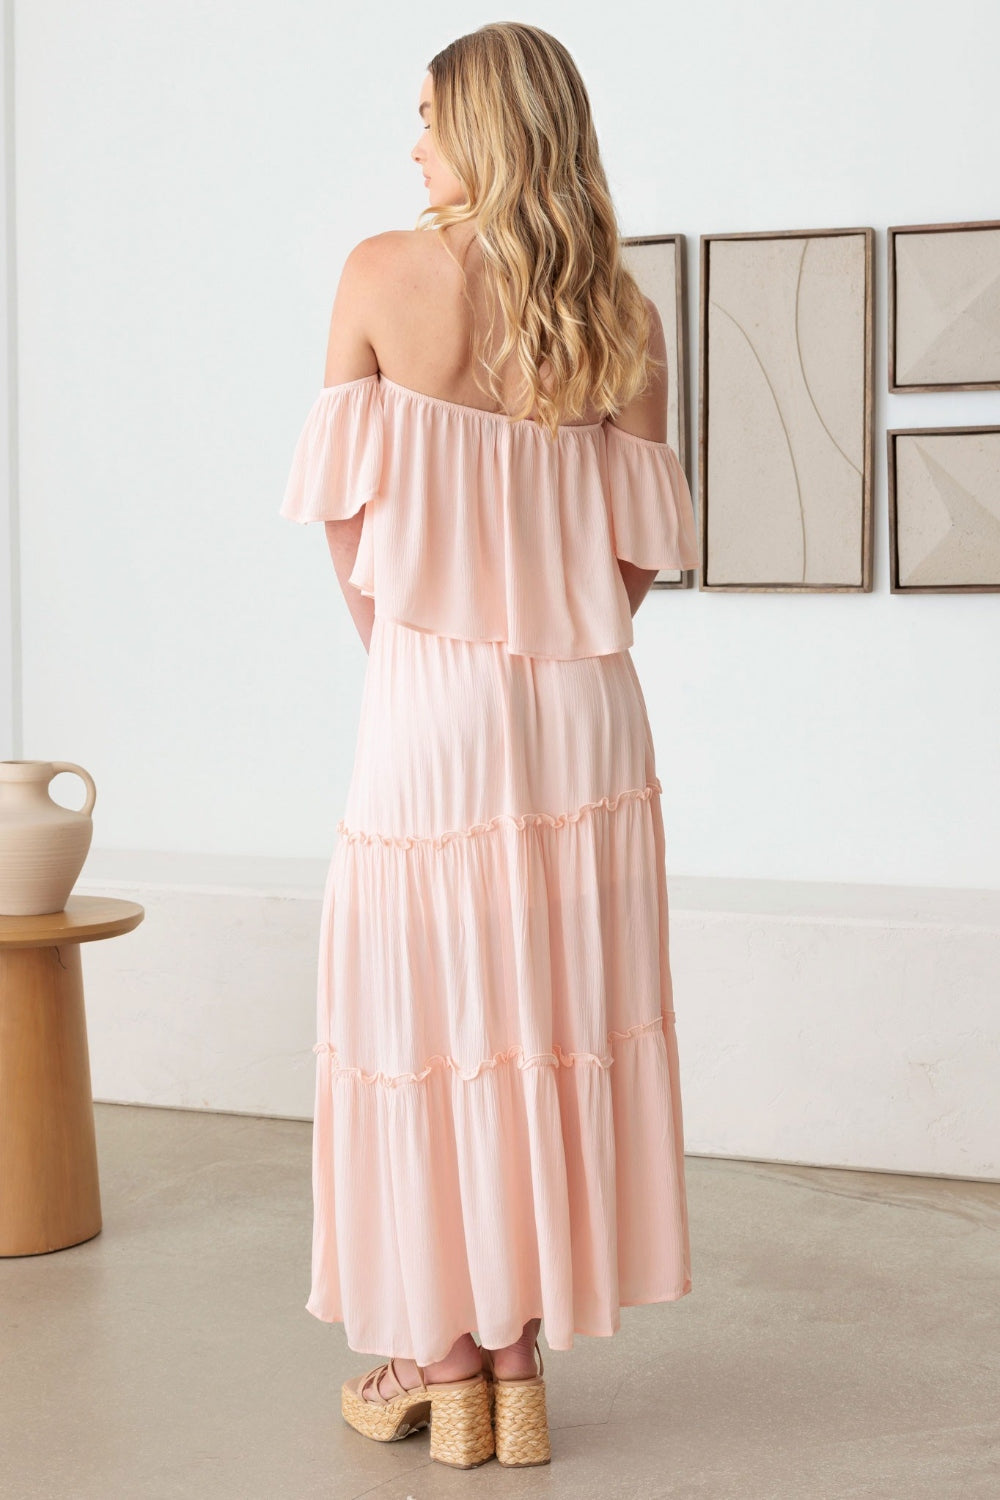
[[652, 513], [487, 529], [337, 463]]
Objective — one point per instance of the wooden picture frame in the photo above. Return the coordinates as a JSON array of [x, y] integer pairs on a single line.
[[944, 306], [658, 263], [944, 510], [786, 392]]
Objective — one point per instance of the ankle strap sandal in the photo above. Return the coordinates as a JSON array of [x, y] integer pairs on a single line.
[[457, 1411]]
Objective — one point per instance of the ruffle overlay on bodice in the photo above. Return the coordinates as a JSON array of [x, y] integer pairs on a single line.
[[483, 528]]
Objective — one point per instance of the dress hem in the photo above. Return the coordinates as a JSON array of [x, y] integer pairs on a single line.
[[672, 1296], [514, 647]]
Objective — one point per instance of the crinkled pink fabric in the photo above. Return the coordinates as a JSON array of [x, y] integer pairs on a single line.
[[487, 529], [498, 1131]]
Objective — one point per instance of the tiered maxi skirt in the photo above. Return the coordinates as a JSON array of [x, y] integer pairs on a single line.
[[498, 1131]]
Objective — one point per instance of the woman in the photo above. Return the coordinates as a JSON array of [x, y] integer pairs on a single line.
[[498, 1132]]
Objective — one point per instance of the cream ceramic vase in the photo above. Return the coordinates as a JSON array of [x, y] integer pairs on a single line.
[[42, 845]]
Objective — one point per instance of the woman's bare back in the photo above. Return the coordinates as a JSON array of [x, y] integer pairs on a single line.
[[425, 328]]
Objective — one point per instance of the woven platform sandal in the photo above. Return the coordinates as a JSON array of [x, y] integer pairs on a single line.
[[520, 1420], [457, 1412]]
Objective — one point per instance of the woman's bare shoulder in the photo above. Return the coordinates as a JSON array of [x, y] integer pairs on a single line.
[[389, 251], [646, 416], [379, 269]]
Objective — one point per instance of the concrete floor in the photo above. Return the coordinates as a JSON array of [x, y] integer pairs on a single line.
[[842, 1340]]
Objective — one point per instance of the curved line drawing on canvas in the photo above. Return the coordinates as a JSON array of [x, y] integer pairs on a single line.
[[788, 441], [802, 366]]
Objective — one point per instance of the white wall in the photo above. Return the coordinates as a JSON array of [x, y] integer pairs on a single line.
[[189, 180], [10, 655]]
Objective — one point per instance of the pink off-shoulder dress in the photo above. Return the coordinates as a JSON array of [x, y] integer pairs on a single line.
[[497, 1130]]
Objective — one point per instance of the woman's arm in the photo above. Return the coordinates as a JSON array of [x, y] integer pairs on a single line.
[[350, 355], [342, 538], [646, 417], [637, 582]]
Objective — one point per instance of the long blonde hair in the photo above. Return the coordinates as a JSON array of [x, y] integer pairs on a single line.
[[512, 120]]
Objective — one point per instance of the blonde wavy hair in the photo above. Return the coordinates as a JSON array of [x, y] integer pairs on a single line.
[[512, 120]]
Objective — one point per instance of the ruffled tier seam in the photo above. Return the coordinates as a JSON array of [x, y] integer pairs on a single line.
[[520, 821], [558, 1057]]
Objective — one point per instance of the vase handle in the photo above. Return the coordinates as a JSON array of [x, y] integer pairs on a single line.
[[67, 765]]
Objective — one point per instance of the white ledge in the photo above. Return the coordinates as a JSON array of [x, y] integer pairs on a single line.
[[951, 906]]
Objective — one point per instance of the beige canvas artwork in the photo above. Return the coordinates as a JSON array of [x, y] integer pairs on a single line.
[[786, 427], [945, 326], [657, 263], [945, 508]]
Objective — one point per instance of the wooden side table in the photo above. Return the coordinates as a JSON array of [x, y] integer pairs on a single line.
[[50, 1194]]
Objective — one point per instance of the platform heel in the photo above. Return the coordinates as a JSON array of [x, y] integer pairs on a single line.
[[457, 1411], [461, 1430], [520, 1419]]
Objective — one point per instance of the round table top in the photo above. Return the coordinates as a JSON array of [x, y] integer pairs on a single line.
[[85, 919]]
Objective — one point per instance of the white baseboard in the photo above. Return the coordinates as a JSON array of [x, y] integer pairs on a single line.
[[839, 1025]]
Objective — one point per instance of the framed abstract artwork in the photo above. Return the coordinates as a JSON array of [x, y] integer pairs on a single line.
[[944, 306], [657, 263], [786, 384], [944, 509]]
